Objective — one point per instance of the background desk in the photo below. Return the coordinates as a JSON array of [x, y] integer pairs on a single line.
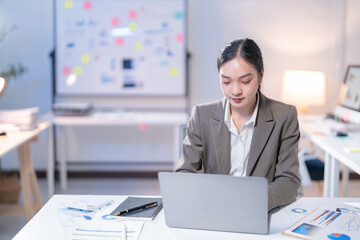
[[334, 153], [22, 141], [46, 225], [101, 118]]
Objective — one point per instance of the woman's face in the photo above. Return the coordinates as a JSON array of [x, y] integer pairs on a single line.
[[239, 82]]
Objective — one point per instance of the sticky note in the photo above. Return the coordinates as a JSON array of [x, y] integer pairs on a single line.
[[352, 150], [179, 38], [119, 41], [66, 70], [115, 21], [179, 15], [69, 4], [138, 46], [133, 26], [87, 5], [173, 72], [143, 126], [78, 70], [85, 58], [70, 45], [132, 14], [164, 63]]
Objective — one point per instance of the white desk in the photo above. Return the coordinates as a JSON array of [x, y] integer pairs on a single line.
[[22, 141], [98, 118], [334, 153], [46, 225]]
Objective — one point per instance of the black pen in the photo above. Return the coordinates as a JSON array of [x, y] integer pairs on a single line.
[[146, 205]]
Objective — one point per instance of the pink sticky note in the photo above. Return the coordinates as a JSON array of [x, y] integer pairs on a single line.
[[115, 21], [143, 126], [179, 38], [132, 14], [119, 41], [87, 5], [66, 70]]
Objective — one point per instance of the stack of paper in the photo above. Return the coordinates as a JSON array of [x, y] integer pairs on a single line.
[[85, 224], [71, 108], [18, 120]]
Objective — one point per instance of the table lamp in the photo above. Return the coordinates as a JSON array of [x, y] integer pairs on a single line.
[[303, 88]]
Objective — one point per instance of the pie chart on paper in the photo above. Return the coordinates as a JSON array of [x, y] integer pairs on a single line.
[[338, 236]]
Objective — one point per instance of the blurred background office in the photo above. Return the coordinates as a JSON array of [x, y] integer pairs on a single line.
[[319, 36], [306, 35]]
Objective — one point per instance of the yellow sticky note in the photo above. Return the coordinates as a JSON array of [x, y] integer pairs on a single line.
[[352, 150], [78, 70], [133, 27], [69, 4], [138, 46], [174, 72], [85, 58]]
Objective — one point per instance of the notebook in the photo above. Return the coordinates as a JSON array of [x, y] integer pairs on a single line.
[[141, 214], [215, 202]]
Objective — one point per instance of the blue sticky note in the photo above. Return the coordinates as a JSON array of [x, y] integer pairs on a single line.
[[179, 15]]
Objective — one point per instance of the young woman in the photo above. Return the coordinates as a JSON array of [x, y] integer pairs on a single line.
[[244, 133]]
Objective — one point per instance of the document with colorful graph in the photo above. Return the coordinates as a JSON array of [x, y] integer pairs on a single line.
[[326, 224]]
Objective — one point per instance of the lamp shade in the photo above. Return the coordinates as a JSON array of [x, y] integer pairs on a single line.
[[303, 88]]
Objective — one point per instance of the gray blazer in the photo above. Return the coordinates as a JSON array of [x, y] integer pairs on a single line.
[[273, 151]]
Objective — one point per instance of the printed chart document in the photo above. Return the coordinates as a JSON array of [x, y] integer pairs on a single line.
[[86, 224], [326, 224], [103, 230], [91, 203]]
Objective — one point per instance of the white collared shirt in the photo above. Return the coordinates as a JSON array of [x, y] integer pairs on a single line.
[[240, 142]]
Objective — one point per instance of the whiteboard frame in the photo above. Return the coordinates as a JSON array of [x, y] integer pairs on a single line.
[[120, 95]]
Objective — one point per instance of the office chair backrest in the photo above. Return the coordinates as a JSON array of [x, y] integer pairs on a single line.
[[182, 134]]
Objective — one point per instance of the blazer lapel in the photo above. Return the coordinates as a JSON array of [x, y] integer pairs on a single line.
[[221, 139], [262, 131]]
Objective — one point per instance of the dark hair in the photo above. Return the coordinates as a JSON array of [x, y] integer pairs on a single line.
[[246, 49]]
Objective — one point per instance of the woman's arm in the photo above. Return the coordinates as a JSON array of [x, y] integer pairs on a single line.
[[284, 188]]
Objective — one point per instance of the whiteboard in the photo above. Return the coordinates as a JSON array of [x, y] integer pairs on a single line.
[[118, 47]]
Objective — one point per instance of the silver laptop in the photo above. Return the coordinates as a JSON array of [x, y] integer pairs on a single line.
[[215, 202]]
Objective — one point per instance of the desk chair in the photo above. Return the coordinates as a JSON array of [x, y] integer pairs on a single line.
[[182, 134], [311, 168]]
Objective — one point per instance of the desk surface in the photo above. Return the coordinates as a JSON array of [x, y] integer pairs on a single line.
[[45, 224], [120, 118], [14, 139]]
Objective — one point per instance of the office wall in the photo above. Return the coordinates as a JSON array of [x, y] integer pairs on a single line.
[[30, 44], [352, 31], [292, 34]]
